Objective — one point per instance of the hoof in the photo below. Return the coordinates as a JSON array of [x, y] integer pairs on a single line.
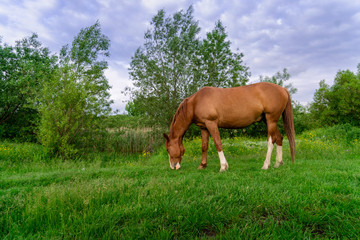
[[278, 164], [202, 166], [265, 167], [224, 167]]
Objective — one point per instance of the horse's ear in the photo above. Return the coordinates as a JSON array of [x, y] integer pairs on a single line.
[[166, 137]]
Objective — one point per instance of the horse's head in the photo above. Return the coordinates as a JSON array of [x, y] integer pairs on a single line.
[[176, 150]]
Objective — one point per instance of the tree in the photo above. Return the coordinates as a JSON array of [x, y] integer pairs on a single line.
[[23, 69], [77, 94], [174, 63], [162, 68], [220, 67], [280, 78], [339, 103]]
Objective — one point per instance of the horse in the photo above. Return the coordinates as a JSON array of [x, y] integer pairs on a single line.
[[212, 108]]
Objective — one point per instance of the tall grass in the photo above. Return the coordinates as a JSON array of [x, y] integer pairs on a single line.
[[129, 141], [137, 197], [121, 134]]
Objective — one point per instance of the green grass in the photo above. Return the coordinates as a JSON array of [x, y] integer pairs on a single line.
[[132, 197]]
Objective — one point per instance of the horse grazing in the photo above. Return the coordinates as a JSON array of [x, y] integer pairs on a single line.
[[238, 107]]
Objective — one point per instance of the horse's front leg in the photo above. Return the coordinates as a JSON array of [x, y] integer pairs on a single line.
[[214, 131], [205, 145]]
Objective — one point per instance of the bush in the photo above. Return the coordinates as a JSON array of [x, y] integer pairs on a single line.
[[15, 153], [21, 127], [120, 134], [344, 133]]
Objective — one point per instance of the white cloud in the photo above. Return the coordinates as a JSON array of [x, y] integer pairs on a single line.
[[23, 20], [313, 39], [118, 77], [155, 5], [207, 8]]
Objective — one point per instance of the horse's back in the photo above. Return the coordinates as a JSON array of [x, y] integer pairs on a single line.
[[238, 106], [274, 97]]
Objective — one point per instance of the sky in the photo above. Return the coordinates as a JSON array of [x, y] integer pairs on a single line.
[[312, 39]]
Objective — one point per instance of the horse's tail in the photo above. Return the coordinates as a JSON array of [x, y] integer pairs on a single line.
[[288, 120]]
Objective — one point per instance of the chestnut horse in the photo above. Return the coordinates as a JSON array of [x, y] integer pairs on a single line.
[[238, 107]]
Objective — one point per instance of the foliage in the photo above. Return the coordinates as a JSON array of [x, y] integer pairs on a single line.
[[174, 63], [280, 78], [13, 155], [125, 121], [120, 134], [130, 197], [339, 103], [76, 95], [161, 69], [217, 65], [301, 118], [22, 126], [344, 133], [134, 108], [125, 141], [23, 70]]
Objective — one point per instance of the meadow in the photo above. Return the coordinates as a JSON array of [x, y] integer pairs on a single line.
[[137, 196]]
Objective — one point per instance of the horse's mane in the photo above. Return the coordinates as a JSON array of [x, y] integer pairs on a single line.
[[180, 112]]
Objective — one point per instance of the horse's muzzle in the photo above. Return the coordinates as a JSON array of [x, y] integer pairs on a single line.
[[175, 166]]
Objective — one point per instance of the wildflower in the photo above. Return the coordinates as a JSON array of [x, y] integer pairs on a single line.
[[145, 154]]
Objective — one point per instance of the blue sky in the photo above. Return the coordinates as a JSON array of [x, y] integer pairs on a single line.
[[312, 39]]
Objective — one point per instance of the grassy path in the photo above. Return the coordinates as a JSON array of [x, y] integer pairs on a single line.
[[131, 198]]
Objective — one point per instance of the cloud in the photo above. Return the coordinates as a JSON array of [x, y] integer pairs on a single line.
[[154, 5], [308, 32], [312, 39], [118, 80], [24, 19]]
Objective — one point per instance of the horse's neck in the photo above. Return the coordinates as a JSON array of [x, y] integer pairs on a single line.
[[179, 127]]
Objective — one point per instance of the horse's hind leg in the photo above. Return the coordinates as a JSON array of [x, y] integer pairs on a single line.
[[279, 160], [214, 131], [274, 136], [205, 145], [278, 141], [270, 146]]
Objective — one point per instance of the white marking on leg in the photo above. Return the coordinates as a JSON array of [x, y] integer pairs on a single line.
[[223, 163], [278, 156], [268, 154]]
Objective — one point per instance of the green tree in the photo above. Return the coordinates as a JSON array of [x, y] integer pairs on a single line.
[[339, 103], [162, 68], [76, 96], [319, 108], [280, 78], [23, 69], [220, 67], [174, 63]]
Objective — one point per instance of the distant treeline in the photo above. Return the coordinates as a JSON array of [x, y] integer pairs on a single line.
[[62, 100]]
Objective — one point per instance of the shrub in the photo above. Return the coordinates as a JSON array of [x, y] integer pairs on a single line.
[[15, 153], [344, 133]]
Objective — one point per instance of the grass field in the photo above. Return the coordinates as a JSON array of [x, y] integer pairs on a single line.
[[132, 197]]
